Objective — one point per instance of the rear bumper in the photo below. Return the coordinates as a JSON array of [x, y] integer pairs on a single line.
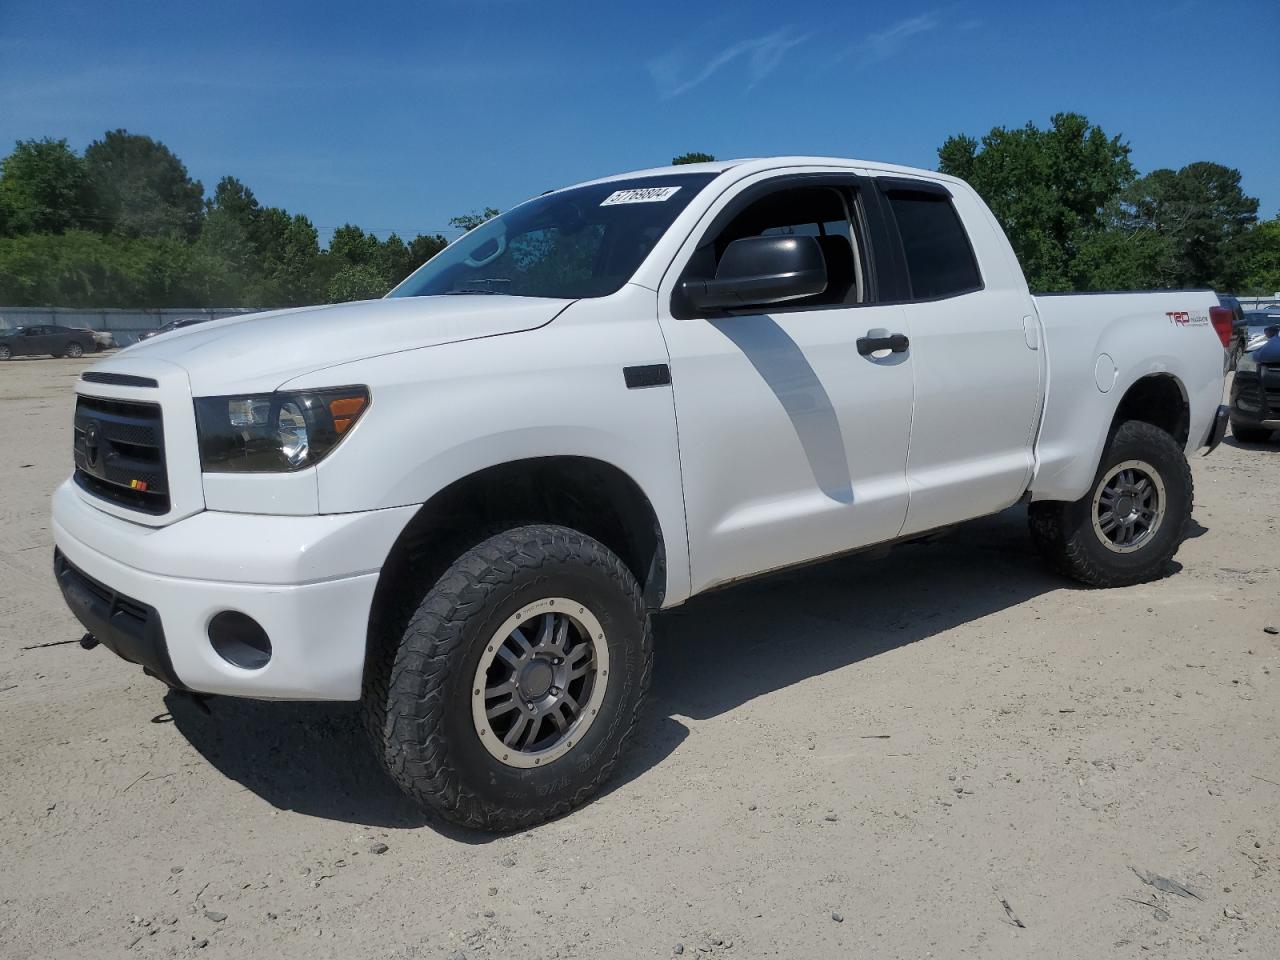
[[149, 594]]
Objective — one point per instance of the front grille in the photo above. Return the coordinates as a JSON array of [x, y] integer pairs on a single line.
[[1269, 386], [119, 453]]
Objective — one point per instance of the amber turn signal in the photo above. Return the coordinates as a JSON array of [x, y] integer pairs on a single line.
[[345, 410]]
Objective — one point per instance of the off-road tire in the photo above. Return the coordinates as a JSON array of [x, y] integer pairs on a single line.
[[1247, 434], [417, 694], [74, 351], [1064, 532]]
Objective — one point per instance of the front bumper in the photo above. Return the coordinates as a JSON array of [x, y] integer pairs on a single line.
[[150, 593], [1255, 398]]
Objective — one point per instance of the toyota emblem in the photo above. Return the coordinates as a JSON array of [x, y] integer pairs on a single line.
[[91, 448]]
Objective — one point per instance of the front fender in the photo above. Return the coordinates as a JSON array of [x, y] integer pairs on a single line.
[[443, 413]]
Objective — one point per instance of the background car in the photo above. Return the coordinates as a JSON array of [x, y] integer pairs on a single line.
[[54, 341], [1256, 324], [173, 325], [1255, 391]]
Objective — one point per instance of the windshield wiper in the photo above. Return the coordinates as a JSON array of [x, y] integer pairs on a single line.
[[480, 280]]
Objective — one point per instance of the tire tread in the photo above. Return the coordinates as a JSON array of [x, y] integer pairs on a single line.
[[404, 680], [1061, 541]]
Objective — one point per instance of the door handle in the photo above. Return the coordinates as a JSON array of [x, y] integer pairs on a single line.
[[896, 342]]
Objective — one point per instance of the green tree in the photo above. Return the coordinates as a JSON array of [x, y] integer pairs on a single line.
[[356, 282], [1204, 212], [143, 188], [691, 158], [422, 248], [291, 261], [86, 269], [44, 188], [1050, 190], [469, 221], [1258, 253]]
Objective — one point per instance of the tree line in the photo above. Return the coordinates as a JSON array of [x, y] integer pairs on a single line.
[[125, 225]]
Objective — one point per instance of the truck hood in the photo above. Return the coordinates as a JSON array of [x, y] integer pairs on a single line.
[[257, 352]]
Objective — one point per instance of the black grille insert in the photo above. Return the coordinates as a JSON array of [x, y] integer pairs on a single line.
[[119, 453], [118, 379], [1269, 381]]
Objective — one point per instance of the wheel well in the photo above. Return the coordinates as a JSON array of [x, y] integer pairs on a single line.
[[1160, 401], [590, 496]]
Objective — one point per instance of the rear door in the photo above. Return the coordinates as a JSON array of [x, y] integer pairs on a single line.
[[976, 354], [33, 341]]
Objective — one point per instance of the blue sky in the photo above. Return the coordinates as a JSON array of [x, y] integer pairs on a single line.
[[398, 115]]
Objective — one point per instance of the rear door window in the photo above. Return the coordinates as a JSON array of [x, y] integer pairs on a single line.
[[939, 258]]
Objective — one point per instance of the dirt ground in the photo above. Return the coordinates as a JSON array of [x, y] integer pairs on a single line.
[[869, 758]]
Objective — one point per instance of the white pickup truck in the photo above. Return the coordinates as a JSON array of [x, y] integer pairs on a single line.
[[460, 504]]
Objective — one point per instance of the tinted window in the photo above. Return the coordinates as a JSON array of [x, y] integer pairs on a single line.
[[818, 212], [581, 242], [939, 259]]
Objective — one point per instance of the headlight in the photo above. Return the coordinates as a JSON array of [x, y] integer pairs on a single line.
[[1247, 363], [275, 432]]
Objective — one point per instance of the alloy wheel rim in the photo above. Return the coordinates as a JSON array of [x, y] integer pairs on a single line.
[[1128, 506], [540, 682]]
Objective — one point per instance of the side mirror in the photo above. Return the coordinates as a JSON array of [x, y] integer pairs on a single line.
[[762, 270]]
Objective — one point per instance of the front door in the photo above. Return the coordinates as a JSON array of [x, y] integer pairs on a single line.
[[793, 445]]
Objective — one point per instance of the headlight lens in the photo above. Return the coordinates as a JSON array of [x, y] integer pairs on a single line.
[[275, 432]]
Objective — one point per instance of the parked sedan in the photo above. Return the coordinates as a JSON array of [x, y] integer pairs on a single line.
[[1255, 391], [54, 341], [173, 325]]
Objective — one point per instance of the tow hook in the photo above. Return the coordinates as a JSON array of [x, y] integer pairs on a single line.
[[89, 641]]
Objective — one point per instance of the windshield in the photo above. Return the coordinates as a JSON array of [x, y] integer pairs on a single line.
[[581, 242]]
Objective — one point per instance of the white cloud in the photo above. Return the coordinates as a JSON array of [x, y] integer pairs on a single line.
[[884, 44], [673, 74]]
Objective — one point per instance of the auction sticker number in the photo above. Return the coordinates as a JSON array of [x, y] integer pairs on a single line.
[[639, 195]]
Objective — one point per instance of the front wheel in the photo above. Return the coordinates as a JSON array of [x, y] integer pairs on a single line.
[[1132, 521], [74, 351], [508, 696]]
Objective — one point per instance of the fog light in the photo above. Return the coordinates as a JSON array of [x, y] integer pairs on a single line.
[[240, 640]]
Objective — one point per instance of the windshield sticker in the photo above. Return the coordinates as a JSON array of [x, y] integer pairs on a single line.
[[639, 195], [1188, 318]]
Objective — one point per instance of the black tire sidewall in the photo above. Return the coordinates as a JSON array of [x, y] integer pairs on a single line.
[[1143, 442], [478, 771], [70, 351]]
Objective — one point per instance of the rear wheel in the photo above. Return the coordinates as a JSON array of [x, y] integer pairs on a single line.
[[1132, 521], [508, 696], [74, 351], [1250, 434]]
